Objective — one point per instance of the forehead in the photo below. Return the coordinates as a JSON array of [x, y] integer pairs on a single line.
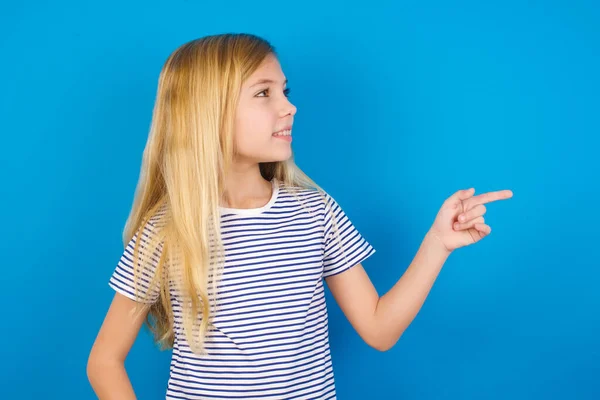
[[269, 70]]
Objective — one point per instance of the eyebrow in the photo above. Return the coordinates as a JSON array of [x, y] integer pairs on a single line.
[[267, 81]]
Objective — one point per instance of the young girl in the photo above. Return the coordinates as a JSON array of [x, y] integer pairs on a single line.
[[228, 242]]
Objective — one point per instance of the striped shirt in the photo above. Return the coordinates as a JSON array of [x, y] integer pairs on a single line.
[[270, 336]]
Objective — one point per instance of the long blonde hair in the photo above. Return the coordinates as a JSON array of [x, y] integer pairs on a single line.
[[187, 154]]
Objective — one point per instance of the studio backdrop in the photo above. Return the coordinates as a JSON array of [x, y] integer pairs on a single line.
[[400, 104]]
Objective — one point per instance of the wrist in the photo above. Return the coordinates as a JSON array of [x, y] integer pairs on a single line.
[[433, 242]]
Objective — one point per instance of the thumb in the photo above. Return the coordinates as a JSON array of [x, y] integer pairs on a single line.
[[463, 194]]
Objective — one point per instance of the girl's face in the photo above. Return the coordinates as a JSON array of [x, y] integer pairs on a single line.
[[264, 109]]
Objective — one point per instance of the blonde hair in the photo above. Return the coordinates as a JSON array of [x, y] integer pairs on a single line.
[[187, 154]]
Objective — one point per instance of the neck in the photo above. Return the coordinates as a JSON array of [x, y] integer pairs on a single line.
[[246, 188]]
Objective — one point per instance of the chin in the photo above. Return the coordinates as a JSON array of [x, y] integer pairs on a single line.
[[280, 156], [279, 159]]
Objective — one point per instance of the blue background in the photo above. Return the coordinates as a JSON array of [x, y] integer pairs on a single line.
[[399, 105]]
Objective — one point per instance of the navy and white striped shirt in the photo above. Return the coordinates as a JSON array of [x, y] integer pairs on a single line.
[[270, 339]]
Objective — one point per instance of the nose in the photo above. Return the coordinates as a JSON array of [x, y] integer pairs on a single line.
[[288, 109]]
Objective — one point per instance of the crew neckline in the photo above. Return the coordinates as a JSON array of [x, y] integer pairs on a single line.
[[258, 210]]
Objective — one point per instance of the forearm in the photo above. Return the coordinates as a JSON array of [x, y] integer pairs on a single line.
[[396, 309], [110, 381]]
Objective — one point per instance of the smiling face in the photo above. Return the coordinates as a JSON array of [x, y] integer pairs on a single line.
[[263, 110]]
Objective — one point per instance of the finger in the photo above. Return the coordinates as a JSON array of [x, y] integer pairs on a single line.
[[465, 194], [491, 196], [473, 213], [469, 224], [460, 196], [483, 229]]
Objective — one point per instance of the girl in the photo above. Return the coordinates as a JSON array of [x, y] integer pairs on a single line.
[[228, 242]]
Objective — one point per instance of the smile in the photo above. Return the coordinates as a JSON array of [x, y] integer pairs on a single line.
[[286, 132]]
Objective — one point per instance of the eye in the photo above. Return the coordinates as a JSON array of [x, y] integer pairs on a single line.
[[286, 92]]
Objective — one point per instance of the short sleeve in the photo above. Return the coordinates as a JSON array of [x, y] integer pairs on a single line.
[[351, 249], [122, 278]]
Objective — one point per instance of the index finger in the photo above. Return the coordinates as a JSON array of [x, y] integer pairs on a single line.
[[491, 196]]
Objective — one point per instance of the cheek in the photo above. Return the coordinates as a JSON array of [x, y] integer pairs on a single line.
[[254, 125]]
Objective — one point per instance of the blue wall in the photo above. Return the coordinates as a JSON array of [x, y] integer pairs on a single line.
[[398, 107]]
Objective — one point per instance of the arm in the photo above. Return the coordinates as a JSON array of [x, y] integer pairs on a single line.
[[380, 321], [106, 363]]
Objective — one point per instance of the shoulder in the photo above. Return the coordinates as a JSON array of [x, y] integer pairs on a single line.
[[318, 203], [158, 218], [309, 197], [150, 232]]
